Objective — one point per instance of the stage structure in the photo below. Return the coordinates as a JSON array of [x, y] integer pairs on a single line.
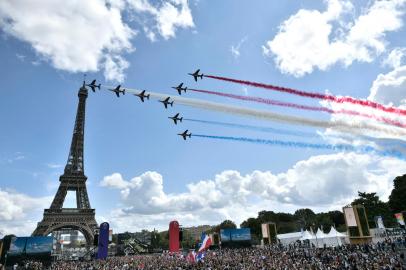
[[81, 218], [357, 224]]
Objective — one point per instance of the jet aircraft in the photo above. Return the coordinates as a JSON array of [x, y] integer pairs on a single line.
[[180, 89], [185, 134], [196, 75], [176, 118], [166, 102], [117, 90], [93, 85], [142, 95]]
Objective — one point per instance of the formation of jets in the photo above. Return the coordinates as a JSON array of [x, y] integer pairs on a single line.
[[142, 95], [196, 75], [180, 89], [118, 90]]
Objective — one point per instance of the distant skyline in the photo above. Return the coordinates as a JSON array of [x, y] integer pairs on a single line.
[[141, 175]]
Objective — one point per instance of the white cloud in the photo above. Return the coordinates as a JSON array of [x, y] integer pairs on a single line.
[[322, 182], [74, 36], [17, 205], [235, 50], [395, 57], [312, 39], [168, 16], [390, 88]]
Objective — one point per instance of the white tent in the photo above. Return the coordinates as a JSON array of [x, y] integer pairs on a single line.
[[307, 236], [288, 238], [334, 238]]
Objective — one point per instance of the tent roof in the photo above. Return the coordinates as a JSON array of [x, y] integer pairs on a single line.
[[333, 233], [307, 236], [320, 234], [290, 235]]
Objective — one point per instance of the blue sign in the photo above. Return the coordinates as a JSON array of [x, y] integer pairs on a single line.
[[243, 234], [39, 244], [103, 249], [17, 245]]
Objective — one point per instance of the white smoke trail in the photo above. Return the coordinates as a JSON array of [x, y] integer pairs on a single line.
[[354, 128]]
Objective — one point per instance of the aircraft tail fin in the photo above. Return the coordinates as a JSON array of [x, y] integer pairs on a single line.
[[180, 120], [98, 86]]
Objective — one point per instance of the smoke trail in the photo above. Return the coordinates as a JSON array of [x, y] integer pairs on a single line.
[[302, 107], [338, 147], [332, 98], [267, 115], [256, 128]]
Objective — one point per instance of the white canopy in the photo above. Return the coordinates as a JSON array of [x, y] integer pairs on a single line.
[[320, 234], [307, 236], [333, 233]]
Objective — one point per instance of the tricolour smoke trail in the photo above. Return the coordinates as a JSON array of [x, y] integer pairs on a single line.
[[327, 97], [356, 128], [301, 107], [338, 147], [256, 128]]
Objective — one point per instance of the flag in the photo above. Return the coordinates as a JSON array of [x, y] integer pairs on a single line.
[[200, 256], [399, 217], [191, 257], [205, 244]]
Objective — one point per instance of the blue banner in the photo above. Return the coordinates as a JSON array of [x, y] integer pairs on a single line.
[[39, 245], [243, 234], [103, 241]]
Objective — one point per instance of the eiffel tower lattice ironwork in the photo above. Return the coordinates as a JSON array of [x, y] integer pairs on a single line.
[[82, 217]]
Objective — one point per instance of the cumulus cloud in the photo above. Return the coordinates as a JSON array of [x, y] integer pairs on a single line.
[[313, 39], [74, 36], [390, 88], [167, 16], [395, 57], [16, 205], [81, 36], [322, 182]]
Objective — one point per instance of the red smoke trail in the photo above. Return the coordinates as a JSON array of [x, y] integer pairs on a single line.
[[302, 107], [332, 98]]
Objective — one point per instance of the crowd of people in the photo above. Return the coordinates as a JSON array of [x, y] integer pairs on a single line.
[[386, 255]]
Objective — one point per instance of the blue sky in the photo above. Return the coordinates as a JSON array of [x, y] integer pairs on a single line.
[[140, 174]]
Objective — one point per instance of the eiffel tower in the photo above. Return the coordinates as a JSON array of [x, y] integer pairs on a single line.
[[81, 218]]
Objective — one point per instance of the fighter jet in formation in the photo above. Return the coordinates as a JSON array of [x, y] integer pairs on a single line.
[[180, 89], [117, 90], [142, 95], [196, 75], [176, 118], [166, 102], [93, 85], [185, 134]]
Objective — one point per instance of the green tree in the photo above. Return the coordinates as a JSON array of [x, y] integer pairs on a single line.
[[397, 199], [227, 224], [305, 217], [254, 225], [374, 207]]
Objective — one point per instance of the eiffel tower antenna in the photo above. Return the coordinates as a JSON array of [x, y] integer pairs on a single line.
[[82, 217]]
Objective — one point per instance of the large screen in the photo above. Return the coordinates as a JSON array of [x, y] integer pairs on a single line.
[[243, 234], [17, 245], [39, 244]]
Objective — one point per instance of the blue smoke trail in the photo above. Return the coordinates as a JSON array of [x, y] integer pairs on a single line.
[[256, 128], [338, 147]]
